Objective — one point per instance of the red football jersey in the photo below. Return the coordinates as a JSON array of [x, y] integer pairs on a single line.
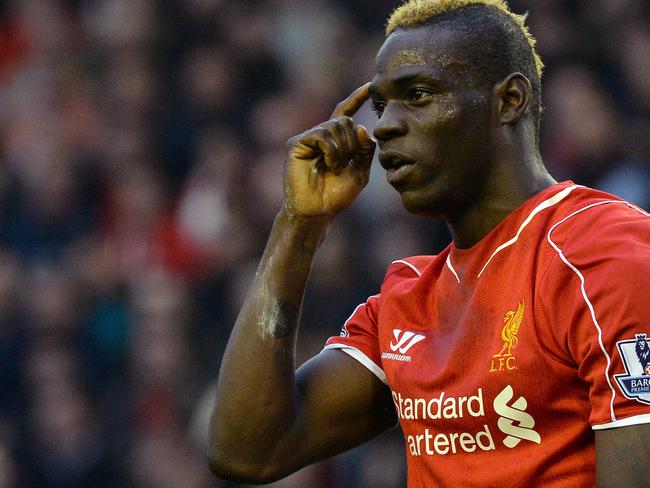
[[503, 358]]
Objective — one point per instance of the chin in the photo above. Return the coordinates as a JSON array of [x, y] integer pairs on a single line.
[[425, 207]]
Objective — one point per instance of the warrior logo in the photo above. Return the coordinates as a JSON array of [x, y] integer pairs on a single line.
[[635, 383], [515, 412], [405, 340], [504, 358]]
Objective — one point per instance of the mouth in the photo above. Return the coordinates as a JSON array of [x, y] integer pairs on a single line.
[[397, 166]]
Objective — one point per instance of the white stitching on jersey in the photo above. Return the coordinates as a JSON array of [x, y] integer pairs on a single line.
[[549, 202], [344, 329], [452, 268], [417, 271], [586, 298]]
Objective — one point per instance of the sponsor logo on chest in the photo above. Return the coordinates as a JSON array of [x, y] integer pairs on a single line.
[[514, 423]]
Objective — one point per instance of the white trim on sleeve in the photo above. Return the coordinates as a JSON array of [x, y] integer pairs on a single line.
[[590, 306], [636, 420], [402, 261], [362, 358]]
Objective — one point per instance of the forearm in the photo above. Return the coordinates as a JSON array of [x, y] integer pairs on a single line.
[[260, 420], [256, 401]]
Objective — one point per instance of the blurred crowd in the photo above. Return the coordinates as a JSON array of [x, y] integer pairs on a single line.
[[141, 154]]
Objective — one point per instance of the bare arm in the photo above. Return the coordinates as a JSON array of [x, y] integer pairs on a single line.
[[269, 421], [623, 457]]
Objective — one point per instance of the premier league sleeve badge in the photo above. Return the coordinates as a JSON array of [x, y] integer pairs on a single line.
[[635, 383]]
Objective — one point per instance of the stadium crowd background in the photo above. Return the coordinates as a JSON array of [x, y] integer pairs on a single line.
[[141, 153]]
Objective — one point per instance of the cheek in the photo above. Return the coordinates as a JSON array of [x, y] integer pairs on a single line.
[[455, 126], [447, 110], [453, 112], [450, 125]]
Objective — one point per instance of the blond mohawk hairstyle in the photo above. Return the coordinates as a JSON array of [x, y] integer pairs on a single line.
[[417, 12]]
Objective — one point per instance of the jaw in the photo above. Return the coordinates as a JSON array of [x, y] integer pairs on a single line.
[[417, 202], [447, 197]]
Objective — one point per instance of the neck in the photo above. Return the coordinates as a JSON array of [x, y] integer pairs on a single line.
[[512, 182]]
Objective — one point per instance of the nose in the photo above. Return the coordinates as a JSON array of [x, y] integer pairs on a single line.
[[390, 124]]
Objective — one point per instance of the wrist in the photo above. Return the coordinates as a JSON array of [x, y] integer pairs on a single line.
[[303, 233]]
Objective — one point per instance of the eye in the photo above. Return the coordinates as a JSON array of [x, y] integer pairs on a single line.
[[417, 94], [378, 107]]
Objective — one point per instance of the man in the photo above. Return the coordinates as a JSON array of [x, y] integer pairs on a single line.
[[540, 277]]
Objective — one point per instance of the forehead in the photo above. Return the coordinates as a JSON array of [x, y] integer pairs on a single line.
[[437, 48]]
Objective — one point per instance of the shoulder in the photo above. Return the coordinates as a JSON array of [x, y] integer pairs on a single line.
[[597, 229], [410, 267], [407, 268], [597, 221]]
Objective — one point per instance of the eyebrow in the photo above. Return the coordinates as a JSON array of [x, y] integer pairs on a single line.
[[426, 77], [429, 77]]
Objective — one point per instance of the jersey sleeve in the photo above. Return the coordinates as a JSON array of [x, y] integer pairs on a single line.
[[594, 294], [359, 337]]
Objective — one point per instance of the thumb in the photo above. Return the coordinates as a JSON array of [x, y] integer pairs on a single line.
[[366, 149]]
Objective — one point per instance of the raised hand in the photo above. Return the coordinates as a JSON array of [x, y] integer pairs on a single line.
[[326, 169], [328, 165]]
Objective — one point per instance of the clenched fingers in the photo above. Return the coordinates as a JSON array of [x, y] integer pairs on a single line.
[[336, 140], [366, 149]]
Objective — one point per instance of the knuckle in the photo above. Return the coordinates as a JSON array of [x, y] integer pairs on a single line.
[[328, 143], [342, 126], [347, 121], [343, 121], [291, 142], [318, 132]]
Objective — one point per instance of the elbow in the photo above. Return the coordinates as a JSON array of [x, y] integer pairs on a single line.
[[226, 469], [224, 466]]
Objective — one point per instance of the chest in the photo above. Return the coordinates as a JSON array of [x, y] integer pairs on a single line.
[[442, 334], [468, 344]]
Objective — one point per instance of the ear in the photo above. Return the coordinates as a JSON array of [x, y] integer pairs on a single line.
[[512, 95]]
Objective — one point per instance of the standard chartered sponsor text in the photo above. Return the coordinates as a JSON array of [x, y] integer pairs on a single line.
[[444, 407], [438, 407]]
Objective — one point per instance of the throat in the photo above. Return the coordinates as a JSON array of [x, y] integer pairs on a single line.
[[477, 222], [473, 227]]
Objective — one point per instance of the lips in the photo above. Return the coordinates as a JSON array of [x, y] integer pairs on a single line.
[[393, 160], [397, 166]]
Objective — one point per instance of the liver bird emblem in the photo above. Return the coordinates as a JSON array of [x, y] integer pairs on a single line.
[[512, 322]]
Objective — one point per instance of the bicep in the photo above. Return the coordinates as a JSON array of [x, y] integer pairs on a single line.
[[623, 456], [341, 404]]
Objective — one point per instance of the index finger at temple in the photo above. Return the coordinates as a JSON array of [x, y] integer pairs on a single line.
[[353, 103]]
